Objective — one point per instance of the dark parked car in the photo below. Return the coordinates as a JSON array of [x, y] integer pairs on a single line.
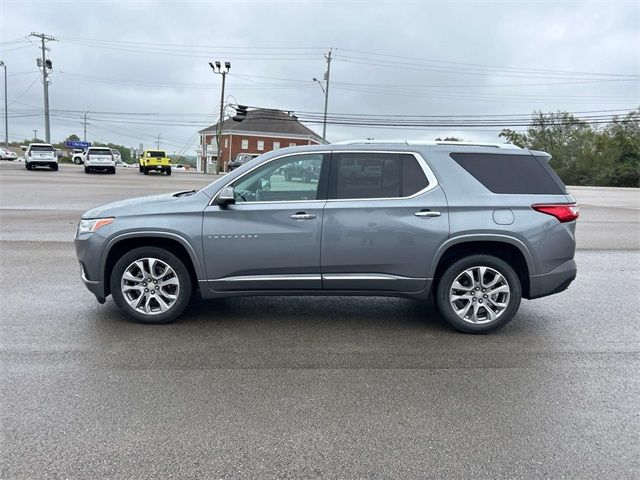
[[303, 170], [240, 160]]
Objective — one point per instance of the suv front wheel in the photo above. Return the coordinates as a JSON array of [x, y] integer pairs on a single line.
[[151, 285], [479, 294]]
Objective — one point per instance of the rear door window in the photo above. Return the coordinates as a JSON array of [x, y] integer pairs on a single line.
[[375, 175], [42, 148], [100, 151], [511, 174]]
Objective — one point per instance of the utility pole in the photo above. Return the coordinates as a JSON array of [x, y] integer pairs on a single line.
[[325, 89], [217, 68], [158, 143], [84, 123], [6, 111], [46, 68], [35, 134]]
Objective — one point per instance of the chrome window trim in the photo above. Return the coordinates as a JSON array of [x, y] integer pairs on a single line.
[[431, 178]]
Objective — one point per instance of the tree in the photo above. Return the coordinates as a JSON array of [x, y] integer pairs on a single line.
[[581, 153], [72, 138]]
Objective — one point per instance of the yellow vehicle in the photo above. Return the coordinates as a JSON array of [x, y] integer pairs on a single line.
[[154, 160]]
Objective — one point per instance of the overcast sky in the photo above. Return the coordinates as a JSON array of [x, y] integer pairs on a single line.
[[390, 57]]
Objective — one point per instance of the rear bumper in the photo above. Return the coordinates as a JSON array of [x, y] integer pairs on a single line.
[[553, 282], [43, 163]]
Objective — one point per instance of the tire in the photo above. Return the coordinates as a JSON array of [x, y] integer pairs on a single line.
[[27, 165], [112, 171], [54, 167], [168, 171], [87, 170], [77, 161], [145, 170], [503, 305], [140, 167], [178, 272]]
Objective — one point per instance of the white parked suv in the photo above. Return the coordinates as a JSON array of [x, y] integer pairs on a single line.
[[6, 154], [99, 158], [78, 156], [116, 156], [40, 155]]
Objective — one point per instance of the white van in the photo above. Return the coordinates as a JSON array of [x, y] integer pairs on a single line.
[[40, 155]]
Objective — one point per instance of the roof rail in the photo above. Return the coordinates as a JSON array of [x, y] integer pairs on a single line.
[[423, 142]]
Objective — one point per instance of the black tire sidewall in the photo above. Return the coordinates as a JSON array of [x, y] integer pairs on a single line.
[[450, 274], [174, 262]]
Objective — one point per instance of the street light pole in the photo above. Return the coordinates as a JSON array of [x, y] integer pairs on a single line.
[[85, 125], [158, 145], [46, 68], [217, 68], [325, 89], [6, 105]]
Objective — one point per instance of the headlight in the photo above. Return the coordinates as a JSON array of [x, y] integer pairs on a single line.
[[90, 226]]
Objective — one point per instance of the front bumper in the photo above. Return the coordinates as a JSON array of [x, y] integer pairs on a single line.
[[94, 286], [89, 254], [553, 282]]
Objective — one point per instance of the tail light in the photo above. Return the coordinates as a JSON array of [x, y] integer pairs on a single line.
[[562, 211]]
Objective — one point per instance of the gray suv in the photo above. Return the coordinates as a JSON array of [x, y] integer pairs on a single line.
[[475, 227]]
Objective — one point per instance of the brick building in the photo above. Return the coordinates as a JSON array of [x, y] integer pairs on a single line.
[[263, 130]]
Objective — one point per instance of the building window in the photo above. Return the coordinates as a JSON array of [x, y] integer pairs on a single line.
[[245, 144], [292, 144], [226, 143], [276, 145], [260, 144]]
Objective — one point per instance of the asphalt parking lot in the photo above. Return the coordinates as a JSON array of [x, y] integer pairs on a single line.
[[272, 387]]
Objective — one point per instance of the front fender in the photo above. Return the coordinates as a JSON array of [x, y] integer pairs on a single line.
[[153, 234]]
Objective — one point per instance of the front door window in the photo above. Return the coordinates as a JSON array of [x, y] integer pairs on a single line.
[[292, 178]]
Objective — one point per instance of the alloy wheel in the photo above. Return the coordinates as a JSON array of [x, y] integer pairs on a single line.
[[479, 295], [150, 286]]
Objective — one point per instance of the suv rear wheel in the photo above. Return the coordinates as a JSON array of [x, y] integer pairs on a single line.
[[479, 294], [151, 285]]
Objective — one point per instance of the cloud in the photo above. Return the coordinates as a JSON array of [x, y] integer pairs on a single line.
[[152, 57]]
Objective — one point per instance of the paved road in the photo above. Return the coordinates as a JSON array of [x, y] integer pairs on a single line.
[[308, 387]]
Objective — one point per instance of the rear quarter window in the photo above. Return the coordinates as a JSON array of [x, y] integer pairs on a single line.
[[511, 174]]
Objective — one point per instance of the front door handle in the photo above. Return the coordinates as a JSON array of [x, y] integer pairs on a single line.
[[427, 214], [303, 216]]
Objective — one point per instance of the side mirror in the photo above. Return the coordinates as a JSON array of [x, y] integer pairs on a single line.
[[226, 196], [265, 184]]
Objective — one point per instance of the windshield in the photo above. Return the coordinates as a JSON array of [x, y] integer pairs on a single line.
[[156, 154], [42, 148], [99, 151]]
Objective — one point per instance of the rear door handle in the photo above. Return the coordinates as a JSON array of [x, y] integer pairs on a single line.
[[303, 216], [427, 214]]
